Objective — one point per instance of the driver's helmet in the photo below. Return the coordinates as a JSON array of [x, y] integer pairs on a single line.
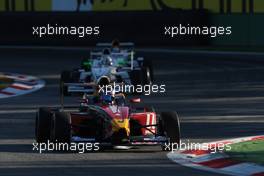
[[106, 52], [106, 60], [108, 98], [115, 46]]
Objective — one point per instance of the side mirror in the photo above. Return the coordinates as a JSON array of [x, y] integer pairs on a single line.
[[135, 100]]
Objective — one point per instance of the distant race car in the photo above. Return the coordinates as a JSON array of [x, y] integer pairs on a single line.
[[107, 119], [107, 66]]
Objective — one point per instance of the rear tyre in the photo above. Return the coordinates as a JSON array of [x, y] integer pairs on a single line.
[[141, 77], [61, 128], [146, 76], [43, 125], [148, 64], [170, 125]]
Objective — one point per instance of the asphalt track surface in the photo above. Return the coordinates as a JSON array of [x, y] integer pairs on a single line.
[[217, 96]]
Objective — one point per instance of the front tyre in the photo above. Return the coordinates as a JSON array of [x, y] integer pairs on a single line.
[[61, 128], [170, 125]]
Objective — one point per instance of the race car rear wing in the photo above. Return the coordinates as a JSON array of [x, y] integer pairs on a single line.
[[124, 46], [129, 54], [98, 54], [127, 45]]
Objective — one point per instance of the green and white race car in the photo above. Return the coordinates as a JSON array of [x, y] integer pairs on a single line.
[[105, 66]]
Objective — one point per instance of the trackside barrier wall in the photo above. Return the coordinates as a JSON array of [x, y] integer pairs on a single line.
[[143, 28], [247, 29]]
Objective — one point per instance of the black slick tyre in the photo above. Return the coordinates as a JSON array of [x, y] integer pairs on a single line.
[[43, 125], [170, 125], [61, 128]]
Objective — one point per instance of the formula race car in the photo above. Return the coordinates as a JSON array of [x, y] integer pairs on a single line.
[[107, 66], [107, 119]]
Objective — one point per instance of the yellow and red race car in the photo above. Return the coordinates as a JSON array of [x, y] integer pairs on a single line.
[[107, 119]]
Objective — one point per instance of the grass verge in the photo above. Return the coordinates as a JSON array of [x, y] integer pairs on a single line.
[[250, 151]]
